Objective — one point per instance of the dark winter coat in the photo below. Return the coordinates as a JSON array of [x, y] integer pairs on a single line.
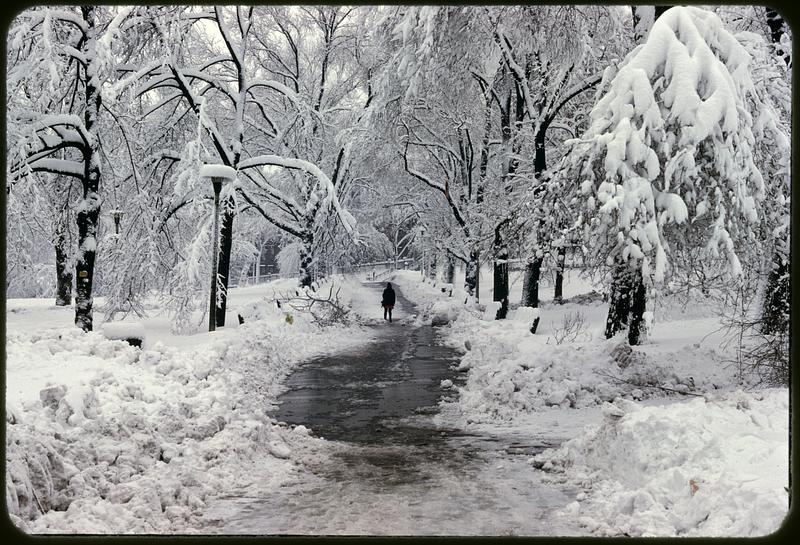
[[388, 296]]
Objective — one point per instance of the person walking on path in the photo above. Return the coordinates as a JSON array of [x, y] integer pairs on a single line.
[[388, 301]]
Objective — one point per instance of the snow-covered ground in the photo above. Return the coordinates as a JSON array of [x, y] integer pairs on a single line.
[[102, 437], [661, 440]]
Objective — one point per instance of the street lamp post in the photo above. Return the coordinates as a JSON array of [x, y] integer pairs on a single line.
[[212, 304], [116, 215], [422, 239], [218, 174]]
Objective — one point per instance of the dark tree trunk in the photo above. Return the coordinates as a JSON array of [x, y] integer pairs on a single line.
[[558, 292], [84, 266], [432, 268], [306, 258], [500, 273], [539, 157], [63, 274], [776, 310], [471, 274], [530, 287], [643, 18], [530, 283], [224, 263], [777, 29], [636, 330], [660, 11], [450, 269], [776, 307], [89, 211], [619, 305]]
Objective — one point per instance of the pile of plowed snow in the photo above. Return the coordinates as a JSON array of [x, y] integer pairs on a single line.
[[512, 372], [138, 440], [710, 466]]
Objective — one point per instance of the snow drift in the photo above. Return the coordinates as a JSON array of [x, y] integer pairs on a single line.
[[696, 468]]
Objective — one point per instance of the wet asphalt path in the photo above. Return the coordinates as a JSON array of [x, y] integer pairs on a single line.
[[361, 395], [389, 470]]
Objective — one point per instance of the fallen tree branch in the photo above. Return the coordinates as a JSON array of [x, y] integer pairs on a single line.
[[629, 383], [325, 310]]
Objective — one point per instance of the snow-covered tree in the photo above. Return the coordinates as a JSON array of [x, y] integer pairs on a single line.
[[552, 69], [246, 113], [59, 60], [670, 150]]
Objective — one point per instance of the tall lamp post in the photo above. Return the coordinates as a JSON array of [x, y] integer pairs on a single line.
[[116, 215], [422, 240], [218, 174]]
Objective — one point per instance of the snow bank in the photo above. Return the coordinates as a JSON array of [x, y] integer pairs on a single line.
[[713, 466], [512, 373], [123, 330], [138, 441], [694, 466]]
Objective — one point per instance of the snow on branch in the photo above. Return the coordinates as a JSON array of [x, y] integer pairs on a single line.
[[36, 18], [53, 166], [276, 86], [671, 140], [309, 168], [516, 69]]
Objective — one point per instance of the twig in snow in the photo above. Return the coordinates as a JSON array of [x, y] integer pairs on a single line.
[[629, 383]]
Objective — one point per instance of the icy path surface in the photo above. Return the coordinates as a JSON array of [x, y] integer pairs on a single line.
[[385, 469]]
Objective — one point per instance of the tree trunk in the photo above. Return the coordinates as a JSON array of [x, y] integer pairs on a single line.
[[224, 263], [449, 269], [558, 292], [63, 274], [305, 265], [306, 258], [500, 274], [530, 283], [432, 266], [776, 309], [619, 305], [530, 287], [636, 331], [89, 208], [471, 273], [777, 29]]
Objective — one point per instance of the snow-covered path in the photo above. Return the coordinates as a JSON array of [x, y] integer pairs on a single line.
[[386, 469]]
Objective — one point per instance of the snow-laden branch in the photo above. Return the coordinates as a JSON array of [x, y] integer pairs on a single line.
[[64, 167], [309, 168], [572, 92], [236, 55], [288, 204], [516, 69], [215, 60], [277, 222], [37, 17], [207, 123], [276, 86]]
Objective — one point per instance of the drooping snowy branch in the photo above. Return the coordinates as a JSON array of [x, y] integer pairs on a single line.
[[671, 142]]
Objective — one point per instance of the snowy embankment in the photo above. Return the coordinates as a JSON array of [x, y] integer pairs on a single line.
[[663, 414], [102, 437], [711, 466]]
